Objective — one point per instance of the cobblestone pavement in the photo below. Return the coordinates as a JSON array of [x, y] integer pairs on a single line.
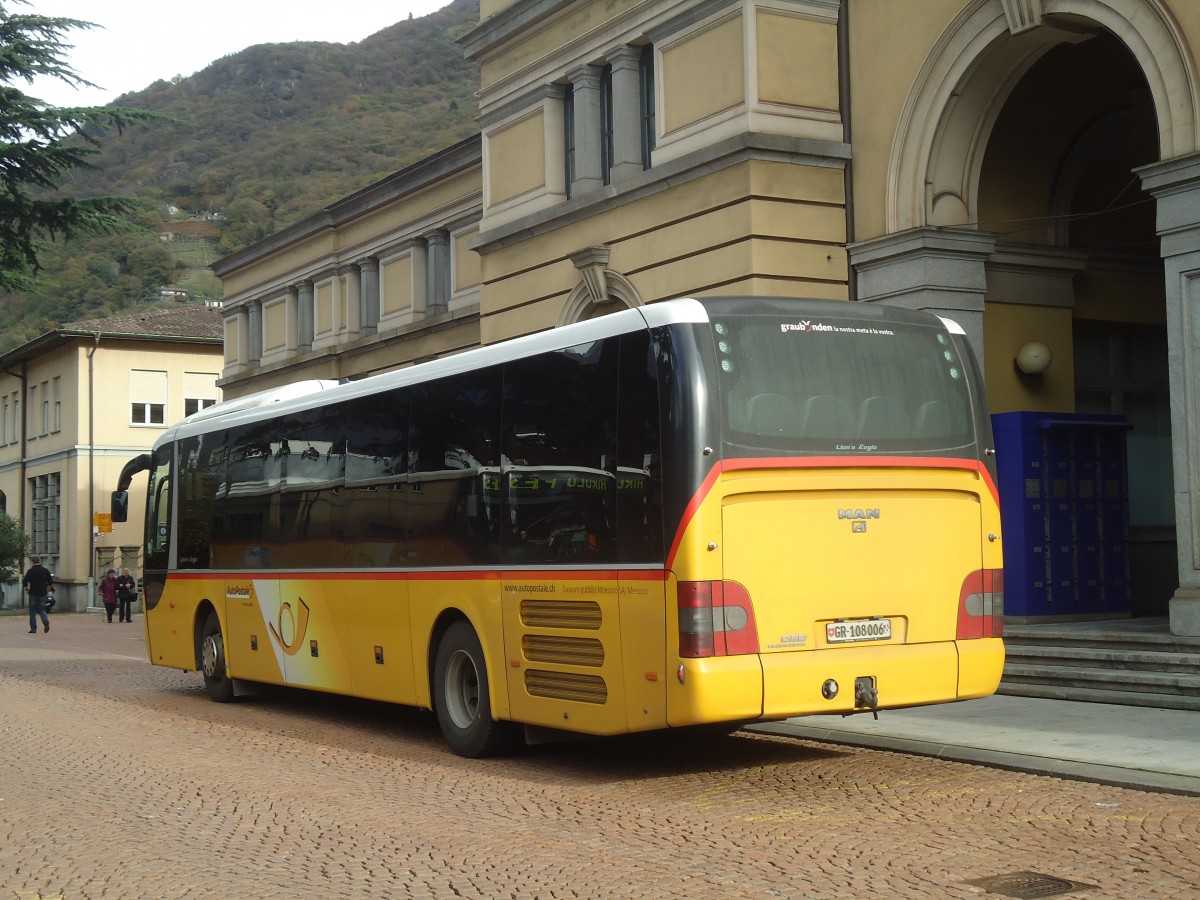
[[123, 780]]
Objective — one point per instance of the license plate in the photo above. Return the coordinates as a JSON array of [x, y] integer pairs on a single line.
[[858, 630]]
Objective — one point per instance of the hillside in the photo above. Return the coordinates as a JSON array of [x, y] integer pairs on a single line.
[[255, 141]]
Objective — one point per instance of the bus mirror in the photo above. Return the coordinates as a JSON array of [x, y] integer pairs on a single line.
[[120, 506]]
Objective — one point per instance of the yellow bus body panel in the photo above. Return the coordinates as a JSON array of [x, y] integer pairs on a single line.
[[816, 545]]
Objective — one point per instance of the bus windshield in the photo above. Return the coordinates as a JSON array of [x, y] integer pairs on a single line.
[[830, 385]]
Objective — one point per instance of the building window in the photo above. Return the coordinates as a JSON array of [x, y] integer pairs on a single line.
[[646, 79], [606, 123], [199, 391], [5, 440], [148, 397], [33, 395], [45, 430], [46, 517], [569, 136], [56, 423]]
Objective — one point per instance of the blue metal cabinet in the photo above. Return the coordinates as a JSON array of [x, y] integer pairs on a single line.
[[1064, 505]]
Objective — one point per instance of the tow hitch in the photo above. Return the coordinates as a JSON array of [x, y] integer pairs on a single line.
[[866, 694]]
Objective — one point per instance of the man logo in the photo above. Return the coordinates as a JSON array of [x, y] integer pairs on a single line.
[[860, 514]]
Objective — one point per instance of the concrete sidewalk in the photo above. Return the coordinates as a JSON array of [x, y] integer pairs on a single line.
[[1130, 746]]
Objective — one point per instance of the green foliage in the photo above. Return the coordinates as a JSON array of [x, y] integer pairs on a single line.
[[251, 144], [40, 145], [14, 545]]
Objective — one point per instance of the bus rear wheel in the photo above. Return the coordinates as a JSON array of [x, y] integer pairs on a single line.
[[461, 697], [217, 682]]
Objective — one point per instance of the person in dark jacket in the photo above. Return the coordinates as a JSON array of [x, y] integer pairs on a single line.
[[126, 594], [108, 592], [38, 583]]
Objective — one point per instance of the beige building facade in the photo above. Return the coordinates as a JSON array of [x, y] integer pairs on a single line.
[[76, 404], [1030, 168]]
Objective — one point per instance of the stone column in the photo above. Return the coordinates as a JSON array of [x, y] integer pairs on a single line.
[[627, 111], [585, 82], [305, 316], [368, 295], [254, 335], [1175, 184], [939, 270], [352, 303], [437, 272]]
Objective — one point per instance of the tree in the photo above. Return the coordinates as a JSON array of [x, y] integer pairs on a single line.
[[40, 144], [14, 544]]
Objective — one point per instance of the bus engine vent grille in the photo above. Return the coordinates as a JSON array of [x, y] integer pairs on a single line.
[[566, 686], [556, 648], [583, 614]]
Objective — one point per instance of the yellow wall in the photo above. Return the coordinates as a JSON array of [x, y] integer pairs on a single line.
[[324, 307], [797, 61], [396, 284], [889, 43], [274, 323], [703, 74], [466, 261], [516, 158]]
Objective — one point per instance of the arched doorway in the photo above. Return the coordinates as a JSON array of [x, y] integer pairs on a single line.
[[1077, 264], [1018, 168]]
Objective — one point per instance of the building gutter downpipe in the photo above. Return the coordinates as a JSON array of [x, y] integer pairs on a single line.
[[848, 169], [91, 519]]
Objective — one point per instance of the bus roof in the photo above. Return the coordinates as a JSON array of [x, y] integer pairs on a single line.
[[303, 395]]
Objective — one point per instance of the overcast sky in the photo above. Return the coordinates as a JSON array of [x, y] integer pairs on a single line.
[[142, 41]]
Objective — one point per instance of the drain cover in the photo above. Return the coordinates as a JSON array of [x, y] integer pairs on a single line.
[[1029, 885]]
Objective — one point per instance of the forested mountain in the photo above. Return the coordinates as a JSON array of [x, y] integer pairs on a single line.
[[253, 142]]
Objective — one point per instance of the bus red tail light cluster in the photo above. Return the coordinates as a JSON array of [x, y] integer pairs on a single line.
[[716, 618], [981, 605]]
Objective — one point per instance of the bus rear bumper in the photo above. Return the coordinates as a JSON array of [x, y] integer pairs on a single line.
[[811, 682]]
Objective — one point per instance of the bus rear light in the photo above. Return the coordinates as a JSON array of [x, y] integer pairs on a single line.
[[716, 618], [981, 605], [695, 619]]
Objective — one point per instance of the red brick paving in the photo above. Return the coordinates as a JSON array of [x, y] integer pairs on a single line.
[[123, 780]]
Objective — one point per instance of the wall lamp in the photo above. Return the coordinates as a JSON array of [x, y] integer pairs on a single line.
[[1033, 358]]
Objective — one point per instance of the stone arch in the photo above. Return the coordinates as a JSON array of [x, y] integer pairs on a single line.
[[937, 153], [600, 289]]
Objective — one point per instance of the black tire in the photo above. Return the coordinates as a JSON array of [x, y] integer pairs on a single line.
[[461, 699], [217, 682]]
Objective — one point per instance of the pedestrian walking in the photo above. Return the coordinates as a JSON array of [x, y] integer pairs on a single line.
[[38, 583], [108, 592], [126, 593]]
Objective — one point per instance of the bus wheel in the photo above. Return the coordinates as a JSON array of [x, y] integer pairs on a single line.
[[461, 698], [212, 660]]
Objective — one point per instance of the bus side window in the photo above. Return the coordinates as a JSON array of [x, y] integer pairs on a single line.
[[639, 454], [559, 439]]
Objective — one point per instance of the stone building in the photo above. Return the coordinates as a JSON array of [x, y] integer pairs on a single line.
[[76, 404], [1030, 168]]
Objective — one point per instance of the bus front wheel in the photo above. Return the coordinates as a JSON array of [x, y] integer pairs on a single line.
[[461, 698], [217, 682]]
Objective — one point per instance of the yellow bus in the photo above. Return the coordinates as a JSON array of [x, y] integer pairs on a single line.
[[701, 511]]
